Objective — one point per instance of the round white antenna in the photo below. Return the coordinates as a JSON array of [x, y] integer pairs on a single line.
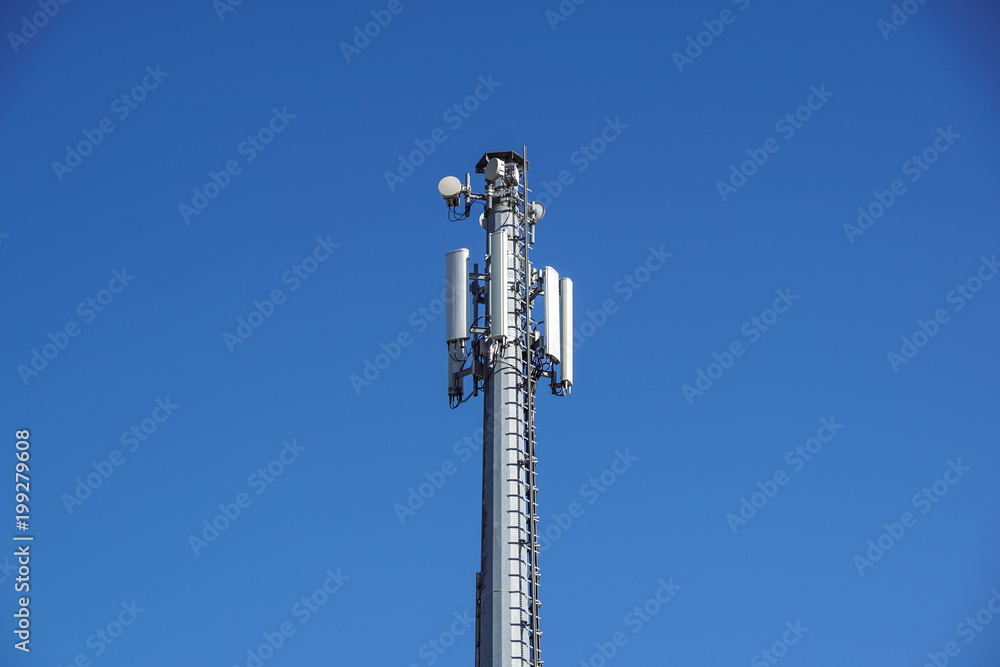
[[536, 211], [450, 187], [494, 169]]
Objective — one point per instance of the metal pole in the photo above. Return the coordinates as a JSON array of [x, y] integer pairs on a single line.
[[505, 597]]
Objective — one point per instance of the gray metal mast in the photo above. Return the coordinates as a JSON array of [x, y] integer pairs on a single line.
[[505, 353]]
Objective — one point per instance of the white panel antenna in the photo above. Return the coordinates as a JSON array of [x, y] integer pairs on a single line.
[[498, 285], [553, 339], [456, 316], [457, 291], [566, 308]]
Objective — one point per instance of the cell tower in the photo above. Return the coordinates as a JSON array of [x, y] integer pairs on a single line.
[[506, 353]]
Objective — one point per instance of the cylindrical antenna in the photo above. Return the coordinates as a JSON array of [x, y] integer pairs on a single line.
[[566, 342], [457, 295], [553, 339], [498, 283]]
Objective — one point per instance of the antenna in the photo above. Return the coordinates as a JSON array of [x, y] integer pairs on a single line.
[[456, 316], [566, 339], [553, 340], [498, 284], [506, 352]]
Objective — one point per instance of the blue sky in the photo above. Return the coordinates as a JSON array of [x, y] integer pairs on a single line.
[[786, 361]]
